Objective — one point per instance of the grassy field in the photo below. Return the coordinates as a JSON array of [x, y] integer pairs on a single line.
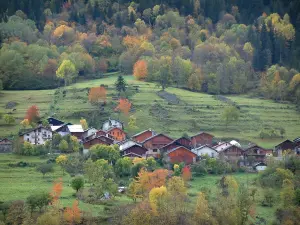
[[18, 183], [194, 112]]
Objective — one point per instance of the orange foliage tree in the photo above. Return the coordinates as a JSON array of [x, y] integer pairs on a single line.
[[97, 94], [145, 180], [140, 70], [72, 214], [124, 106], [56, 190], [186, 174], [33, 114]]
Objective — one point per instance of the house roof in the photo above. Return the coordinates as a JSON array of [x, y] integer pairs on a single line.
[[26, 132], [132, 153], [54, 128], [202, 132], [112, 140], [286, 141], [253, 145], [203, 146], [54, 119], [156, 136], [174, 149], [75, 128], [132, 146], [224, 146], [176, 141], [114, 128], [296, 140], [5, 139], [143, 132], [260, 164]]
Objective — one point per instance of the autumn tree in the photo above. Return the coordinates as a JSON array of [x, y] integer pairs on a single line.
[[83, 123], [156, 195], [25, 123], [140, 70], [186, 174], [72, 214], [56, 190], [67, 71], [61, 160], [287, 194], [33, 114], [124, 106], [97, 94], [203, 214]]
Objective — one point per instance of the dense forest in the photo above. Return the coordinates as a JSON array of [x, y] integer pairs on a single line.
[[212, 46]]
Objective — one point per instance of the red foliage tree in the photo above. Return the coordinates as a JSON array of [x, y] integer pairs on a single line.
[[33, 114], [56, 190], [124, 106], [97, 94], [186, 174], [72, 214]]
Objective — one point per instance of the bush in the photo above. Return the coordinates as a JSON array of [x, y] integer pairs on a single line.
[[45, 168], [269, 198], [198, 169], [38, 200]]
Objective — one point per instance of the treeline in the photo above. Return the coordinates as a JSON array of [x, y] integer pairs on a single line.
[[218, 47]]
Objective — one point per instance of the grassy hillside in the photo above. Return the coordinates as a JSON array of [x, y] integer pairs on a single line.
[[187, 112]]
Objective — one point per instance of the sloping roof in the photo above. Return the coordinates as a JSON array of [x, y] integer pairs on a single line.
[[122, 150], [202, 132], [156, 136], [175, 141], [55, 120], [174, 149], [114, 128], [132, 153], [296, 140], [153, 132], [75, 128], [112, 140], [289, 141], [54, 128], [203, 146], [41, 127], [254, 145]]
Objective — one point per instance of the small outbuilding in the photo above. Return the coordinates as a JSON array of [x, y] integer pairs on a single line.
[[261, 166]]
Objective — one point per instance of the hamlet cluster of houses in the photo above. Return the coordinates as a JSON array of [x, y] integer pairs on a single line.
[[150, 143]]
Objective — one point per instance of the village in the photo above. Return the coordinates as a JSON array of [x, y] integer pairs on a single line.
[[148, 143]]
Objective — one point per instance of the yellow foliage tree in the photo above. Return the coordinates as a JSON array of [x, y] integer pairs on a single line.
[[61, 160], [155, 196], [84, 124], [25, 123], [202, 213], [176, 186]]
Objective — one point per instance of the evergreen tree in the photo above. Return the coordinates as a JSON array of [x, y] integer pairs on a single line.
[[120, 85]]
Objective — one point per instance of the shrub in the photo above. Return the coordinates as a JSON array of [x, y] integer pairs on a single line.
[[45, 168], [198, 169], [269, 198], [38, 200]]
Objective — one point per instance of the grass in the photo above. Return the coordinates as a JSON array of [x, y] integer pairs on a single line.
[[210, 183], [18, 183], [195, 112]]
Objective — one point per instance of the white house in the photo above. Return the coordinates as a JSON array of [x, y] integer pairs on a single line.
[[110, 123], [260, 166], [37, 136], [88, 132], [206, 150]]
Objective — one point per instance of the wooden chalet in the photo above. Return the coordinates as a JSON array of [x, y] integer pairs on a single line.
[[183, 141], [117, 133], [154, 143], [283, 146], [231, 152], [5, 145], [181, 154], [134, 150], [142, 136], [101, 140], [201, 138], [254, 154]]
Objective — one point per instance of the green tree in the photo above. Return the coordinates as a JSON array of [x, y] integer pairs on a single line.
[[230, 114], [120, 85], [287, 194], [110, 153], [67, 71], [77, 183], [38, 200], [63, 146], [45, 168], [9, 119], [123, 167]]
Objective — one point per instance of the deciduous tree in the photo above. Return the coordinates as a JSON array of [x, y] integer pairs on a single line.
[[67, 71], [140, 70], [97, 94], [77, 183], [124, 106], [33, 114]]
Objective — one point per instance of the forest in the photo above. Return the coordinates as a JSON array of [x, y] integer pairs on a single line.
[[216, 47]]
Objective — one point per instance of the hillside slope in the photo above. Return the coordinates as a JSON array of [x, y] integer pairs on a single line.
[[182, 112]]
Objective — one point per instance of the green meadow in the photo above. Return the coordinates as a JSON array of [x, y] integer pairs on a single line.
[[193, 112]]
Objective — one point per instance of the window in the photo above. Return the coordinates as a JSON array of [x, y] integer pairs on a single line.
[[28, 139], [213, 155], [154, 150], [27, 134]]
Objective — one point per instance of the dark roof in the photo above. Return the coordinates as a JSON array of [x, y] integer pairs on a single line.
[[176, 142], [5, 139], [286, 141], [253, 145], [54, 121], [296, 140], [202, 133], [174, 149], [156, 136], [143, 132], [133, 146], [98, 137]]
